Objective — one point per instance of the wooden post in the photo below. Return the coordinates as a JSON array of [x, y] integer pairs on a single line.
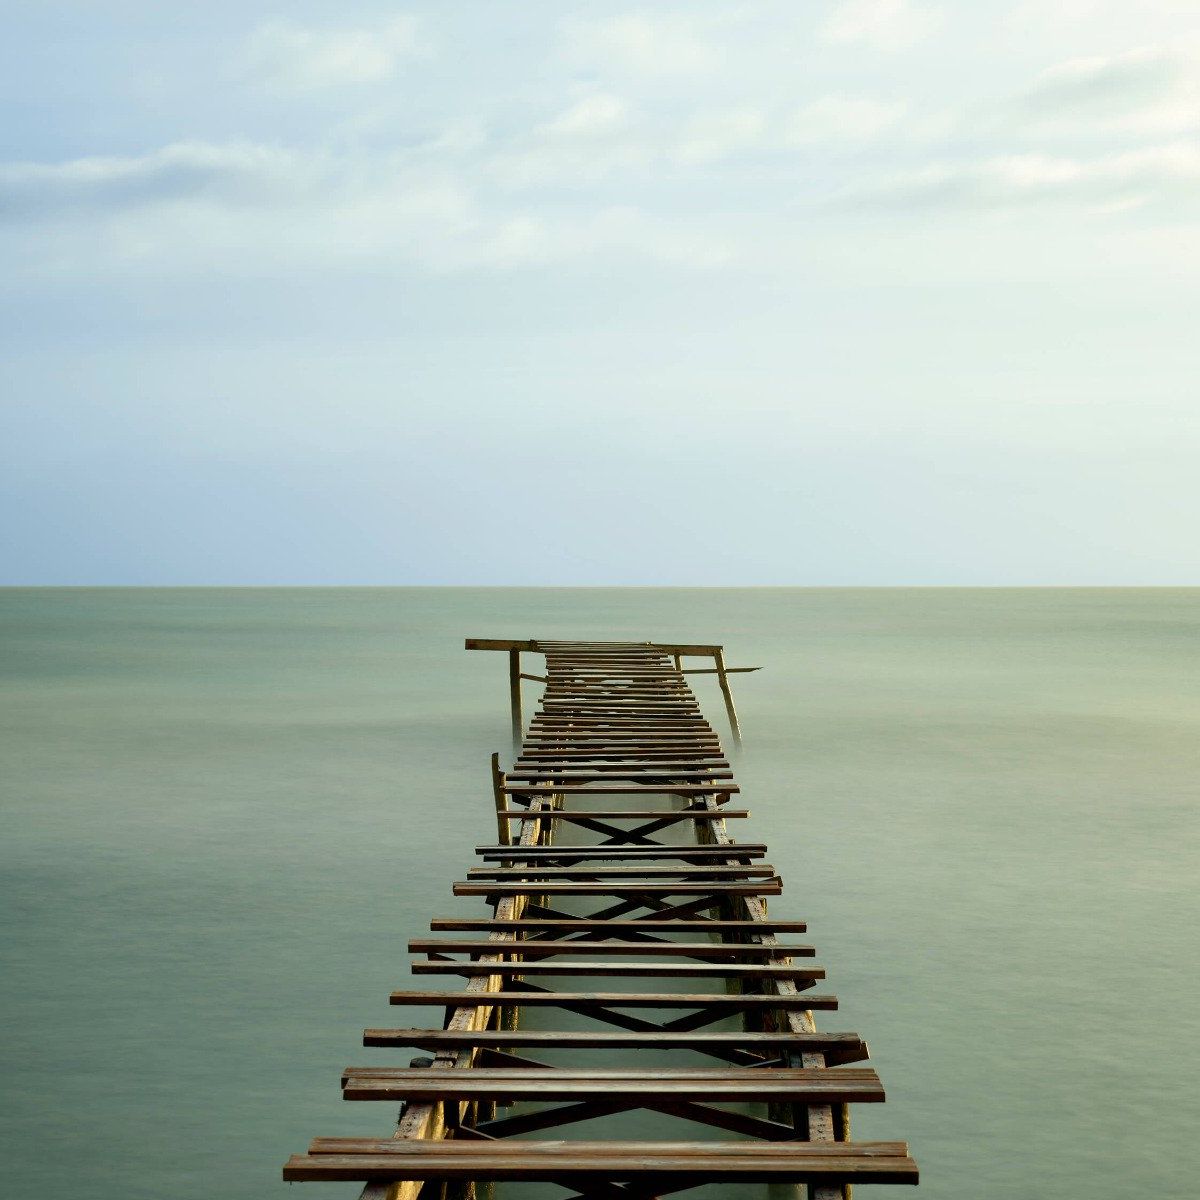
[[498, 795], [719, 659], [514, 696]]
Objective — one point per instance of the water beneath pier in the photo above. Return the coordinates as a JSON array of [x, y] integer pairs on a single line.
[[226, 811]]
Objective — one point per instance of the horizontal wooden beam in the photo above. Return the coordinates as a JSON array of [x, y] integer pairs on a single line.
[[838, 1048], [483, 968], [596, 649], [586, 1164], [709, 1001], [606, 925], [538, 948], [798, 1084]]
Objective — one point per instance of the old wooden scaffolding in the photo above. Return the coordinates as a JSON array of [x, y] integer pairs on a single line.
[[614, 867]]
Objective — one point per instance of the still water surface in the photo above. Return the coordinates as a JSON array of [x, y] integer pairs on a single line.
[[225, 811]]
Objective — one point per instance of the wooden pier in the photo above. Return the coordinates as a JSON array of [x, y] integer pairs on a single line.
[[613, 863]]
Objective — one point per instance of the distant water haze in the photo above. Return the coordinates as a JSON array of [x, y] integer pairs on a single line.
[[225, 811]]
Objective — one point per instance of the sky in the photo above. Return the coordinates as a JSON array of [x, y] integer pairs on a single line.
[[848, 292]]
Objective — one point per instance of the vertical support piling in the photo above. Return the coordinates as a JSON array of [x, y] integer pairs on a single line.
[[723, 680], [514, 696], [502, 826]]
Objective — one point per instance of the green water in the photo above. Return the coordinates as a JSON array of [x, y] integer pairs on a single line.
[[225, 811]]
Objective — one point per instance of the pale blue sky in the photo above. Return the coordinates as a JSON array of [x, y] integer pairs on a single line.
[[870, 291]]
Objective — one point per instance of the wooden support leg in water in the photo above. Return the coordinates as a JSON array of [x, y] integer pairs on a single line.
[[502, 826], [723, 680], [514, 695]]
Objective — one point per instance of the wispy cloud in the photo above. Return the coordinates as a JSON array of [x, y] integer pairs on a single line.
[[645, 43], [238, 172], [840, 118], [884, 24], [1150, 89], [714, 136], [288, 57], [607, 160], [596, 115], [1110, 182], [240, 207]]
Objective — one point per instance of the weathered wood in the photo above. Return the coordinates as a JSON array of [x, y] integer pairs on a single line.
[[708, 1001], [579, 1163], [648, 775], [503, 831], [641, 924], [666, 815], [641, 870], [514, 696], [542, 949], [827, 1085], [838, 1048], [581, 649], [648, 754], [661, 787], [554, 887], [615, 719], [611, 970], [561, 853]]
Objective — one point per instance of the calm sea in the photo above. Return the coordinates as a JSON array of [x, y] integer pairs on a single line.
[[226, 810]]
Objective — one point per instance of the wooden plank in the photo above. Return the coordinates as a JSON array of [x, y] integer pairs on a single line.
[[664, 787], [611, 684], [636, 871], [798, 1085], [573, 732], [629, 722], [766, 887], [623, 695], [672, 721], [615, 756], [705, 1000], [631, 814], [597, 732], [526, 948], [523, 1161], [566, 647], [559, 852], [838, 1048], [617, 970], [649, 774], [585, 736], [641, 924]]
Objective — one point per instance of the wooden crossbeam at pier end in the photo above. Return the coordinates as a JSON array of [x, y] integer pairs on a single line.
[[613, 860]]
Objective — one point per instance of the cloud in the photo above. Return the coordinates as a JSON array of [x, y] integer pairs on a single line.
[[1110, 183], [287, 57], [193, 207], [643, 43], [593, 115], [715, 136], [600, 136], [885, 24], [240, 172], [842, 119], [1135, 74], [1146, 90]]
